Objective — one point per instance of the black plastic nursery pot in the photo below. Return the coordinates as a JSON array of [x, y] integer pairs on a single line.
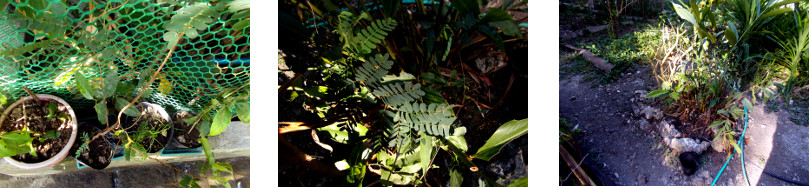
[[97, 154], [152, 129], [50, 114], [185, 134]]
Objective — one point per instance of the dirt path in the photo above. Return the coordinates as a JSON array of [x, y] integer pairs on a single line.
[[620, 145]]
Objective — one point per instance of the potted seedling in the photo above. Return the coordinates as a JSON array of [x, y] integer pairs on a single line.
[[149, 132], [184, 134], [97, 154], [145, 127], [37, 131]]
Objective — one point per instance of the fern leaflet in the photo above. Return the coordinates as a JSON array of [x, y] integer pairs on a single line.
[[365, 40]]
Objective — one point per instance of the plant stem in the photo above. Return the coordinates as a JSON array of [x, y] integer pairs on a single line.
[[143, 90]]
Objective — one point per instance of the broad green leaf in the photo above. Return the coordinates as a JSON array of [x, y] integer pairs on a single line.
[[84, 87], [466, 6], [496, 14], [97, 93], [731, 36], [110, 83], [132, 111], [522, 182], [221, 121], [243, 111], [101, 111], [426, 151], [15, 143], [238, 26], [775, 12], [125, 87], [204, 127], [685, 14], [458, 139], [657, 93], [747, 104], [506, 133], [455, 178], [509, 27]]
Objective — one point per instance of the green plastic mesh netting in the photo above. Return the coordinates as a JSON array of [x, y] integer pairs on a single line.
[[44, 43]]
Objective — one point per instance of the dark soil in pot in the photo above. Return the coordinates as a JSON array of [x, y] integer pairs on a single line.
[[150, 129], [181, 130], [34, 115], [99, 152]]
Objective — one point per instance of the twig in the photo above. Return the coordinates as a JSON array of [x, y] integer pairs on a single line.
[[143, 90], [32, 95], [577, 167]]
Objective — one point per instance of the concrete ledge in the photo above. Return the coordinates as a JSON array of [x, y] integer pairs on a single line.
[[234, 142]]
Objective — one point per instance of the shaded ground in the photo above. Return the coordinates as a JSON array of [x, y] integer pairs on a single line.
[[628, 152]]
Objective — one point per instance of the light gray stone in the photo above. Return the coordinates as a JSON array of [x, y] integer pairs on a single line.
[[680, 145]]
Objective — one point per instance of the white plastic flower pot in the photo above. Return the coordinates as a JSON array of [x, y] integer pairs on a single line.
[[62, 153]]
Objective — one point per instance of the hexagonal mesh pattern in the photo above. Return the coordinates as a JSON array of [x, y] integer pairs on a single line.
[[44, 43]]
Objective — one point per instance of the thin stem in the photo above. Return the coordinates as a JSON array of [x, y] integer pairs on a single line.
[[143, 90]]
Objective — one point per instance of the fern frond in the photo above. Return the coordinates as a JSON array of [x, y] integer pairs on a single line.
[[374, 68], [365, 40], [434, 119], [396, 94], [399, 135]]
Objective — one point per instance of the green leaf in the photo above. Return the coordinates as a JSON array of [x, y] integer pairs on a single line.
[[736, 147], [84, 87], [132, 111], [238, 26], [657, 93], [189, 182], [717, 123], [731, 36], [172, 37], [101, 112], [496, 14], [522, 182], [466, 6], [685, 14], [15, 143], [747, 104], [51, 109], [125, 87], [455, 178], [426, 151], [3, 99], [204, 127], [110, 83], [775, 12], [506, 133], [243, 111], [509, 27], [221, 121]]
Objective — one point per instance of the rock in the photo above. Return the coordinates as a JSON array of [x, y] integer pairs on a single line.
[[649, 112], [667, 131], [680, 145], [573, 98], [594, 29], [642, 179], [616, 176], [644, 125], [719, 145]]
